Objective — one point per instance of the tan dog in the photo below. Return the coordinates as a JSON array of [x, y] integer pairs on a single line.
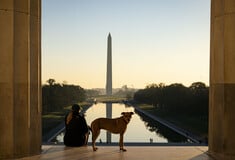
[[117, 125]]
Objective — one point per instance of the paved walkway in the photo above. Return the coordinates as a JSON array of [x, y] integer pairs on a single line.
[[60, 152]]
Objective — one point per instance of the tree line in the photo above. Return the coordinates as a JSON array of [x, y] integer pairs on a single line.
[[176, 98], [56, 96]]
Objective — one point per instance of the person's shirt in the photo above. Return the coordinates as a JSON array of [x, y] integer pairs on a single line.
[[75, 123]]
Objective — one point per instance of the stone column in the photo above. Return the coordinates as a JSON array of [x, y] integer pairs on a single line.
[[20, 78], [222, 79]]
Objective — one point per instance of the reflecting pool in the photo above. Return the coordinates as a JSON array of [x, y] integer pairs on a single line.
[[140, 129]]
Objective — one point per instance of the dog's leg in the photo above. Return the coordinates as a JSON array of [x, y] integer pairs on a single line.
[[95, 134], [121, 143]]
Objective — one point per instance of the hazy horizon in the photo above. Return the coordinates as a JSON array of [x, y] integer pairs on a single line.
[[153, 41]]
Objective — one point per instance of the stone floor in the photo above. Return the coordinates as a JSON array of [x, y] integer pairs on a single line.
[[60, 152]]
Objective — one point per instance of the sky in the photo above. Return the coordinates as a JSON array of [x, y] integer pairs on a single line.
[[153, 41]]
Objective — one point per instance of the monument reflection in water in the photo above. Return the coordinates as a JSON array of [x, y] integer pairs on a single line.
[[140, 129], [109, 115]]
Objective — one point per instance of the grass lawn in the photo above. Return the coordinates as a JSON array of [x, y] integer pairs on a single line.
[[112, 98], [51, 120]]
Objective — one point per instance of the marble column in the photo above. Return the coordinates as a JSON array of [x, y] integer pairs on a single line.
[[222, 80], [20, 78]]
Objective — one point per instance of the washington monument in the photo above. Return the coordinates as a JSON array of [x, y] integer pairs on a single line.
[[109, 83], [109, 67]]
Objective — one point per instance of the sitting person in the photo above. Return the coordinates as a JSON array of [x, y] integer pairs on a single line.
[[76, 129]]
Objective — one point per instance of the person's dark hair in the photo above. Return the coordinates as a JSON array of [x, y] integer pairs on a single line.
[[76, 107]]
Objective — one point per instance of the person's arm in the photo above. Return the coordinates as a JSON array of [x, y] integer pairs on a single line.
[[68, 118], [84, 125]]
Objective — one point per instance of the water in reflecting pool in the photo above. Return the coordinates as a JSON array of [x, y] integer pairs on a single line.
[[140, 129]]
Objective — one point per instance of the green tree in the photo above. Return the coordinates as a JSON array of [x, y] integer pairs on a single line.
[[56, 96], [176, 98]]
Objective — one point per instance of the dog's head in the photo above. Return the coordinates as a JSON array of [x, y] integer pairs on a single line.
[[127, 116]]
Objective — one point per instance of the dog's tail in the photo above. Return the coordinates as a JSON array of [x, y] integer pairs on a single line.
[[89, 128]]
